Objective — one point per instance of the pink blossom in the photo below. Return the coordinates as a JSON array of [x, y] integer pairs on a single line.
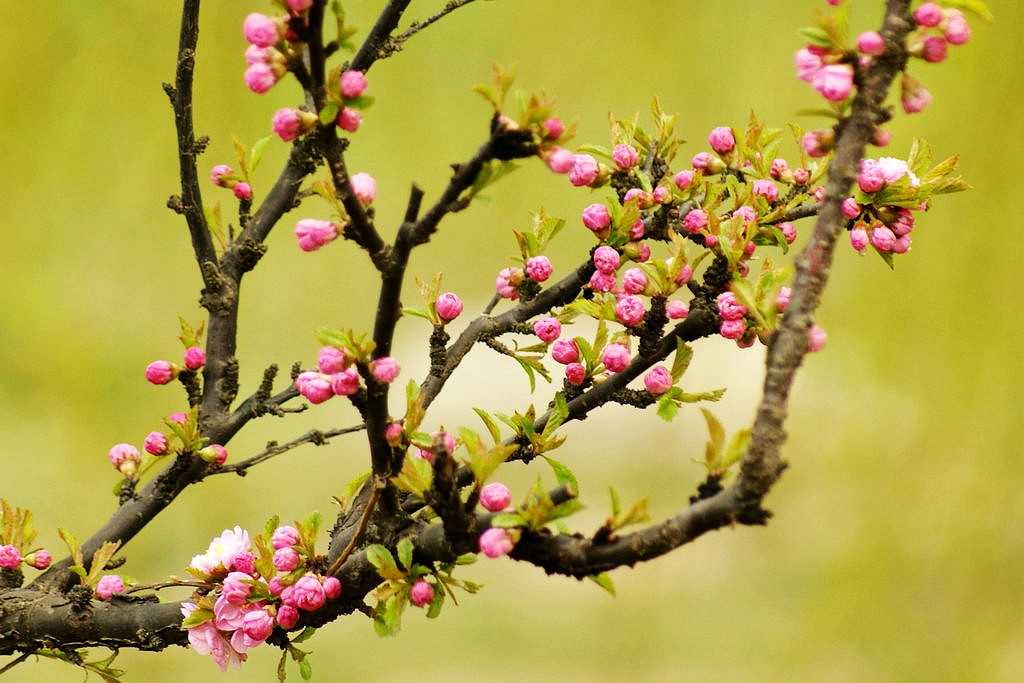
[[933, 49], [615, 357], [161, 372], [871, 43], [223, 549], [638, 229], [245, 562], [553, 128], [177, 418], [747, 213], [575, 373], [560, 160], [332, 587], [703, 161], [807, 64], [299, 6], [817, 143], [788, 231], [710, 241], [547, 329], [641, 198], [602, 282], [902, 245], [108, 585], [287, 616], [685, 273], [227, 616], [729, 308], [606, 259], [314, 234], [285, 536], [816, 339], [850, 208], [722, 140], [683, 179], [349, 119], [779, 169], [676, 309], [206, 639], [565, 351], [819, 193], [495, 542], [353, 84], [766, 189], [236, 588], [928, 14], [695, 221], [508, 282], [218, 173], [782, 299], [314, 387], [801, 176], [538, 268], [195, 358], [596, 217], [254, 54], [40, 559], [903, 223], [957, 30], [584, 170], [859, 238], [642, 252], [257, 625], [871, 178], [447, 442], [364, 187], [125, 458], [882, 238], [448, 306], [625, 156], [634, 281], [658, 380], [214, 454], [260, 77], [733, 329], [10, 557], [260, 30], [661, 195], [331, 359], [495, 497], [307, 593], [242, 190], [385, 369], [286, 559], [834, 81], [421, 593], [156, 443], [913, 95], [630, 310]]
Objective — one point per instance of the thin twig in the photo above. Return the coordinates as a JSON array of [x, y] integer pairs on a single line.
[[316, 436], [371, 504]]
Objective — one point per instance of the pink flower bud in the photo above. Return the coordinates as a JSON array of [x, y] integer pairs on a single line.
[[676, 309], [161, 372], [683, 179], [385, 369], [40, 559], [177, 418], [859, 238], [913, 95], [695, 221], [245, 562], [538, 268], [331, 360], [307, 593], [788, 231], [260, 77], [560, 160], [801, 176], [299, 6], [364, 187], [816, 339], [882, 238], [630, 310], [625, 156], [928, 14], [285, 536], [871, 177], [349, 119], [195, 358], [290, 123], [722, 140], [606, 259], [602, 282], [286, 559], [314, 234], [584, 170], [747, 213], [108, 585], [634, 281], [156, 444], [287, 616], [834, 82], [254, 54], [508, 281], [547, 329], [615, 357], [808, 63], [881, 137], [332, 587], [817, 143], [871, 43], [957, 30], [125, 458], [779, 169], [850, 208], [782, 300], [641, 253], [596, 217], [903, 223], [236, 588], [260, 30], [242, 190], [575, 373], [353, 83], [710, 241], [257, 625], [733, 329], [448, 306], [767, 189], [314, 387], [10, 557], [215, 454], [553, 128], [495, 497], [729, 308], [421, 593], [932, 49], [902, 245], [393, 434], [218, 172], [658, 380], [496, 542], [685, 273], [565, 351], [703, 161]]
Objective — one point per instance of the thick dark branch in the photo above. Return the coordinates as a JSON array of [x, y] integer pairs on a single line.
[[377, 43]]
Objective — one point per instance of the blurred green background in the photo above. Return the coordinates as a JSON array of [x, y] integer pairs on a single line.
[[895, 554]]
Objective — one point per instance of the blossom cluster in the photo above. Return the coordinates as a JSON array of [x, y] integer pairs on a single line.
[[252, 593], [885, 227], [163, 372], [11, 557], [127, 459], [337, 374]]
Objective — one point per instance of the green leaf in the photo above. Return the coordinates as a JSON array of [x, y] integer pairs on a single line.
[[73, 546], [197, 617], [492, 426], [349, 494], [416, 475], [405, 553], [241, 157], [668, 408], [604, 581], [508, 520], [256, 155], [381, 558], [684, 354], [976, 7], [563, 474], [558, 415], [305, 669], [330, 112], [716, 431]]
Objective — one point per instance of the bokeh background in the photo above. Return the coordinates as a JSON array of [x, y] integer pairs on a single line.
[[896, 553]]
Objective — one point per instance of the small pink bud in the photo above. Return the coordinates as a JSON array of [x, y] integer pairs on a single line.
[[331, 359], [215, 454], [913, 95], [710, 241], [345, 382], [254, 54], [364, 187], [933, 49], [332, 587], [729, 308], [538, 268], [596, 217], [393, 434], [508, 281], [161, 372], [779, 169], [10, 557], [871, 177], [195, 358], [125, 458], [722, 140], [260, 77], [560, 160], [683, 179], [871, 43], [285, 536], [634, 281], [495, 497], [625, 156], [881, 137], [685, 273], [260, 30], [448, 306], [859, 238], [314, 234], [353, 84], [676, 309], [928, 14], [299, 6], [496, 542], [638, 251], [606, 259], [767, 189], [575, 373], [547, 329], [314, 387], [902, 245], [747, 213], [788, 231], [109, 585], [177, 418], [242, 190], [584, 170], [286, 559], [565, 351], [245, 562], [421, 593], [850, 208], [801, 176], [834, 82], [817, 143], [658, 380], [602, 282], [630, 310], [218, 173], [661, 195], [957, 30], [385, 369], [782, 300], [156, 444], [349, 119], [733, 329], [882, 238], [307, 593], [40, 559], [695, 221], [290, 123], [553, 128], [903, 223], [816, 339], [615, 357], [287, 616]]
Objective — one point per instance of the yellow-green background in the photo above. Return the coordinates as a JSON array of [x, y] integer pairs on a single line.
[[896, 553]]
